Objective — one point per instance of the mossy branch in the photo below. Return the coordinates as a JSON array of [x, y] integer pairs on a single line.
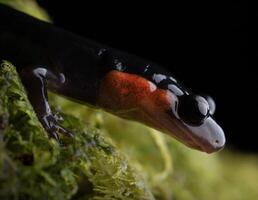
[[34, 167]]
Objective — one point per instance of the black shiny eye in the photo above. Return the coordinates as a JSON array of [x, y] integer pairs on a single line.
[[192, 109]]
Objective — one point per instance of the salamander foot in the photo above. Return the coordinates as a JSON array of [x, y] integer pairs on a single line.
[[35, 80], [51, 125]]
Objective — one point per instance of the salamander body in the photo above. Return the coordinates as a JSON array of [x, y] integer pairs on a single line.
[[48, 57]]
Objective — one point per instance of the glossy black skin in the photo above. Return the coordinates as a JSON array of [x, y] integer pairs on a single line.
[[74, 67], [31, 43]]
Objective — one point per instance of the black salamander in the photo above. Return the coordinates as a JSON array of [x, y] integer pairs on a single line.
[[48, 57]]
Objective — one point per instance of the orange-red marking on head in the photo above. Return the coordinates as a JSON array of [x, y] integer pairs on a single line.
[[128, 94]]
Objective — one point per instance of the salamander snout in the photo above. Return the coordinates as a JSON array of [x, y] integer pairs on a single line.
[[203, 133]]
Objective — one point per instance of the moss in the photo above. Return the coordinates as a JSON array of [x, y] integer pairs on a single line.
[[191, 175], [34, 167], [28, 6]]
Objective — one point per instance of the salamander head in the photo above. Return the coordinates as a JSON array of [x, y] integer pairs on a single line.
[[188, 117], [166, 107], [193, 117]]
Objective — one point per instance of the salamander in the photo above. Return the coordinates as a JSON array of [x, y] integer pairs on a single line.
[[48, 57]]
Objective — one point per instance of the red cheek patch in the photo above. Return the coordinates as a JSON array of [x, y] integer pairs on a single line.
[[123, 92]]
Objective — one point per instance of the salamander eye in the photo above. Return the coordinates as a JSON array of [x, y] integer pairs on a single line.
[[193, 110]]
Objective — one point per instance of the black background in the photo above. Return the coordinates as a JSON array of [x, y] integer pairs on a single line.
[[205, 45]]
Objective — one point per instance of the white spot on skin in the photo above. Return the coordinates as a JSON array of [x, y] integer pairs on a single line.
[[172, 79], [158, 78], [146, 68], [153, 87], [101, 51], [62, 78], [173, 88], [212, 105], [41, 71], [119, 65]]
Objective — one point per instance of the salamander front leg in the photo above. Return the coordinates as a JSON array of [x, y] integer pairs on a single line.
[[35, 81]]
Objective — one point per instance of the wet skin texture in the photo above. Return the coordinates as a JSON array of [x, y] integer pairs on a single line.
[[125, 85]]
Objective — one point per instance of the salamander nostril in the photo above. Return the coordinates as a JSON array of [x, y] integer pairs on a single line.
[[217, 141]]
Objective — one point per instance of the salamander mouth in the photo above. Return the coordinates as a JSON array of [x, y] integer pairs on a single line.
[[208, 137]]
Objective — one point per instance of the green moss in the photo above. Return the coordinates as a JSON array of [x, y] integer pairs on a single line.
[[192, 175], [34, 167], [28, 6]]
